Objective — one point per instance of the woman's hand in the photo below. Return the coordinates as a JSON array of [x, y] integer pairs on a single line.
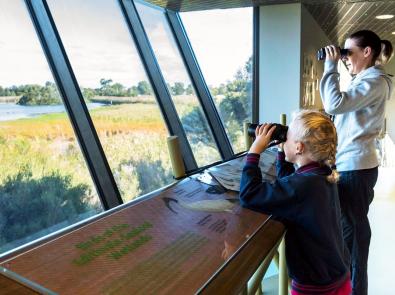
[[332, 53], [263, 134]]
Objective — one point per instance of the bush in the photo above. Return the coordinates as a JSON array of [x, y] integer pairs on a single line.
[[195, 128], [29, 205], [141, 177]]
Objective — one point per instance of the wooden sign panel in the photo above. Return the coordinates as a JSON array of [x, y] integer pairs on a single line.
[[171, 243]]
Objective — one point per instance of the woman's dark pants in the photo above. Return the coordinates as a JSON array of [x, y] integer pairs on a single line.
[[356, 193]]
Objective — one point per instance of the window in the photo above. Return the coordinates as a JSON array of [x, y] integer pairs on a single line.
[[179, 84], [222, 41], [109, 71], [44, 182]]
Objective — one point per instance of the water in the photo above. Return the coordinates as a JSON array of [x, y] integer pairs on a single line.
[[11, 111]]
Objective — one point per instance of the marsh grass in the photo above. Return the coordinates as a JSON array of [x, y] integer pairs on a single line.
[[133, 137]]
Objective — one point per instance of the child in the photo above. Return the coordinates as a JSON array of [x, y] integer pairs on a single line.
[[306, 200]]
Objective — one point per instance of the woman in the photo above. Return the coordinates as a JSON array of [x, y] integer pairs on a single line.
[[358, 117]]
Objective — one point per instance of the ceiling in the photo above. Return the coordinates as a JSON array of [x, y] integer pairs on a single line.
[[337, 18]]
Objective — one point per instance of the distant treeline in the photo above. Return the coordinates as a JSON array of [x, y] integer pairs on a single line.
[[232, 98], [108, 88], [33, 94]]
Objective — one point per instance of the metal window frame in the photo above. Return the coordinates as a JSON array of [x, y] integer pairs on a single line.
[[74, 103], [255, 66], [78, 113], [158, 83], [200, 86]]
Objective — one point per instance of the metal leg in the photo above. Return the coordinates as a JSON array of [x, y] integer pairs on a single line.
[[245, 290], [283, 274], [255, 283]]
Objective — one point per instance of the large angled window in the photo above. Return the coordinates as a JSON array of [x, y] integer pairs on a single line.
[[44, 182], [222, 42], [109, 71], [179, 84]]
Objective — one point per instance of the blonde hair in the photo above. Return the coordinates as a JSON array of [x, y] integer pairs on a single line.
[[386, 54], [319, 135]]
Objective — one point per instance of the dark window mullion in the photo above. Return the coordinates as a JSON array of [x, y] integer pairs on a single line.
[[157, 81], [74, 103], [200, 86], [255, 67]]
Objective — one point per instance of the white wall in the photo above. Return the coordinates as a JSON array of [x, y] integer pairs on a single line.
[[313, 38], [390, 108], [279, 60], [287, 33]]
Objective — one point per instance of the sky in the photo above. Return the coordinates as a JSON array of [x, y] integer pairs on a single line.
[[99, 45]]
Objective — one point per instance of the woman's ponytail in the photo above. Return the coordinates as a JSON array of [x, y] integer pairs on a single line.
[[387, 52]]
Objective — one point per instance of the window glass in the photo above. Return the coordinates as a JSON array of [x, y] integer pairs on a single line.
[[110, 73], [45, 184], [179, 84], [222, 41]]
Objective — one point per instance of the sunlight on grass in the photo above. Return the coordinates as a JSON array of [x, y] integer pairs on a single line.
[[133, 137]]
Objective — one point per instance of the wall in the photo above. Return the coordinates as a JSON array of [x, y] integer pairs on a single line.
[[279, 60], [312, 39], [390, 111], [288, 34]]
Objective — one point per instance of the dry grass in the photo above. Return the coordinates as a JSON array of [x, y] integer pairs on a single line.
[[109, 120], [129, 134]]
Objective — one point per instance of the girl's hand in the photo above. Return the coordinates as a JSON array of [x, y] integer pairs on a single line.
[[332, 53], [263, 134]]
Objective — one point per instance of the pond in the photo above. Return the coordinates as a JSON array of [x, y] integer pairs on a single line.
[[12, 111]]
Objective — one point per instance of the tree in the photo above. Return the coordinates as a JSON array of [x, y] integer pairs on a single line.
[[189, 90], [197, 131], [144, 88], [151, 175], [234, 108], [38, 95], [132, 91], [178, 88], [29, 205], [88, 93], [105, 85], [118, 90]]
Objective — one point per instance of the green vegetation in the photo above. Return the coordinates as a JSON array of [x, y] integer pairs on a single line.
[[233, 102], [23, 198], [44, 182], [33, 94]]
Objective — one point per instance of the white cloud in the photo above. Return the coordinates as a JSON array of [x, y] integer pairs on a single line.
[[99, 45], [221, 40]]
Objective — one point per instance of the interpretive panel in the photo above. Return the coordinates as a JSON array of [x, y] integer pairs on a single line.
[[172, 242], [229, 173]]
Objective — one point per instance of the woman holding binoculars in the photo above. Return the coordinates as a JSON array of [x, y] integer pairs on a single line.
[[358, 117]]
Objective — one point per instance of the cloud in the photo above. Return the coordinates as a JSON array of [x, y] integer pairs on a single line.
[[99, 45]]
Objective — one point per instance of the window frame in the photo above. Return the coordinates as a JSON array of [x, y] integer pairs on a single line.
[[74, 103], [200, 86]]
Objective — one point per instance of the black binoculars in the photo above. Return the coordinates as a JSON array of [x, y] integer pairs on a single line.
[[321, 54], [279, 134]]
